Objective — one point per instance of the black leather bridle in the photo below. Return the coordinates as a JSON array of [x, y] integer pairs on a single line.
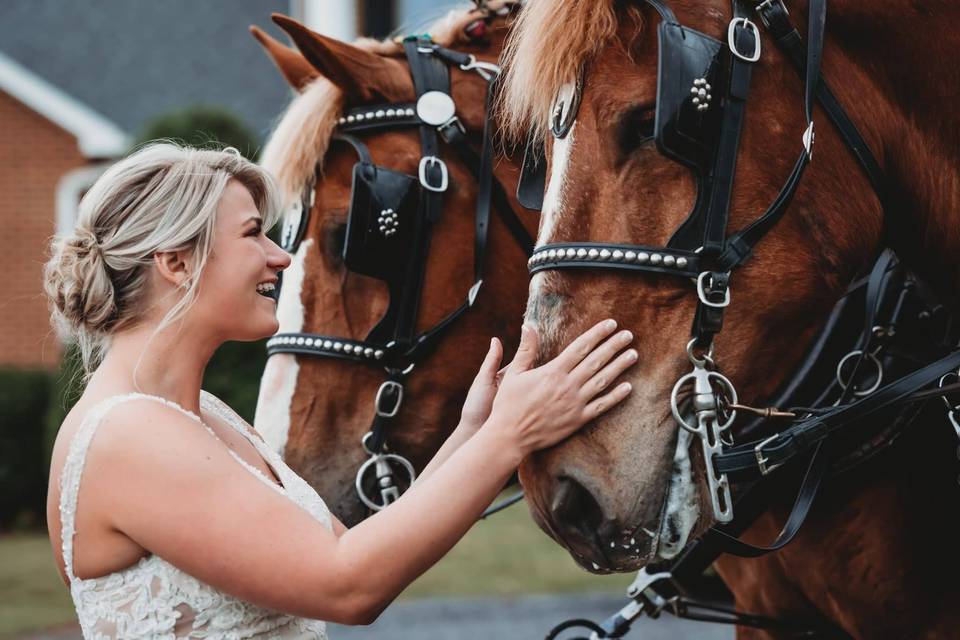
[[703, 86], [388, 237]]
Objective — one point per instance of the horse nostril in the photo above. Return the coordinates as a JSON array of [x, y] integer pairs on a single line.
[[575, 511]]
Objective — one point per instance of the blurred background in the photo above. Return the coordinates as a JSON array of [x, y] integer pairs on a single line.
[[80, 84]]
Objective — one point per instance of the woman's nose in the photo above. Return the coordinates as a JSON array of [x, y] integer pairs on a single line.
[[278, 258]]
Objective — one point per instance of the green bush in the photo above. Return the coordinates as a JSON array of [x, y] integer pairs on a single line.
[[24, 399], [202, 126]]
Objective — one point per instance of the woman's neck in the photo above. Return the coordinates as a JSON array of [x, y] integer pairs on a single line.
[[169, 364]]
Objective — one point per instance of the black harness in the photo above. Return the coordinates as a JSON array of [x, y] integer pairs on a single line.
[[389, 228], [887, 338]]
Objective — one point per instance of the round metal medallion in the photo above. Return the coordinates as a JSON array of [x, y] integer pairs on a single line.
[[435, 107]]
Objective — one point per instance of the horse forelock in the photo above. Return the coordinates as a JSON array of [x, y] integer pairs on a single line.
[[549, 44], [295, 150]]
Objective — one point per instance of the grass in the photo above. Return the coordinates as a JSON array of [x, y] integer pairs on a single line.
[[31, 593], [504, 556]]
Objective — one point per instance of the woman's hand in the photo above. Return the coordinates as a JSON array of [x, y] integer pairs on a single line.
[[542, 406], [476, 408]]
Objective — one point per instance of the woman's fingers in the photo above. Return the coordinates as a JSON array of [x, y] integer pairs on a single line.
[[607, 401], [601, 356], [602, 379], [581, 347]]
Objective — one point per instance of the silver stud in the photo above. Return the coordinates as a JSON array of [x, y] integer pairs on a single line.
[[341, 120], [571, 253], [707, 87], [581, 253], [551, 254], [350, 118], [300, 341], [593, 253], [368, 352], [629, 256], [604, 254], [696, 101], [391, 113], [409, 112], [338, 346], [369, 115], [359, 117], [681, 262], [669, 261], [643, 257], [656, 258], [309, 342], [693, 90], [378, 354], [380, 113], [617, 255], [702, 93]]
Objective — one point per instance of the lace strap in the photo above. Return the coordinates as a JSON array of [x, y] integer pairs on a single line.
[[74, 463], [216, 405]]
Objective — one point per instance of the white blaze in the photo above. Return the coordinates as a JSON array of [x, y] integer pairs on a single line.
[[553, 204], [279, 380]]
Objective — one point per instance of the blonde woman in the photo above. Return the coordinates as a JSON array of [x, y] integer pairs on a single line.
[[169, 516]]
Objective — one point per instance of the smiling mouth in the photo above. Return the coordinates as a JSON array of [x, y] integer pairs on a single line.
[[267, 290]]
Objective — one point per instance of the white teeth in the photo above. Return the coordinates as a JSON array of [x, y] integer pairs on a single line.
[[265, 287]]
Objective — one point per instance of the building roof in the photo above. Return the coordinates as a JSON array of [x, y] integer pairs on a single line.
[[124, 62], [96, 136]]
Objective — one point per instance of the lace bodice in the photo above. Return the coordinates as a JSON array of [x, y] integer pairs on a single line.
[[153, 598]]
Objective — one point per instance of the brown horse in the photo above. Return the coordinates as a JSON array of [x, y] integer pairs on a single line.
[[316, 410], [876, 556]]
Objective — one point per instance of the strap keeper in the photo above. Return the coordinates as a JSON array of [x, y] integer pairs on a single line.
[[808, 137]]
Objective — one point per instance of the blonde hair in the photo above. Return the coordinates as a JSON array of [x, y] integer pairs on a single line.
[[162, 197]]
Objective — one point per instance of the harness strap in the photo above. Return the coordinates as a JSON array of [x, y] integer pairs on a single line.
[[775, 16]]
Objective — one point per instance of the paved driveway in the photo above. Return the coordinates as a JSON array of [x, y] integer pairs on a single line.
[[527, 618]]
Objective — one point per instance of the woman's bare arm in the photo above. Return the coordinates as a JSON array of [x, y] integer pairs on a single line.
[[172, 488]]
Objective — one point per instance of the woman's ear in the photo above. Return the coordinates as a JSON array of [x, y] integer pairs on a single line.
[[173, 266], [294, 67], [363, 76]]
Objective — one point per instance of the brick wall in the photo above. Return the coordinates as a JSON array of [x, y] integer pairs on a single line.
[[34, 155]]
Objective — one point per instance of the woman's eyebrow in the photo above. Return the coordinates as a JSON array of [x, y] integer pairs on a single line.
[[257, 219]]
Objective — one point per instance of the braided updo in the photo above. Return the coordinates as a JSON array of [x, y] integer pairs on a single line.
[[163, 197]]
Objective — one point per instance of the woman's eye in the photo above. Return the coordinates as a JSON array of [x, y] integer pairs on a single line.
[[256, 231]]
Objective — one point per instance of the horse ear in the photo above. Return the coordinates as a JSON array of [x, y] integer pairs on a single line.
[[294, 67], [360, 74]]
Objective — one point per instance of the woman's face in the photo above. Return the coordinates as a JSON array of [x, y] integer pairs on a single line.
[[236, 296]]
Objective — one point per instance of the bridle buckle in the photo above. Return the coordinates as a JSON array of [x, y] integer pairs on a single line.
[[703, 294], [732, 40], [387, 387], [762, 461], [429, 161]]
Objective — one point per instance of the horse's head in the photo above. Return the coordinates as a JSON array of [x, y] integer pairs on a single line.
[[621, 493], [316, 410]]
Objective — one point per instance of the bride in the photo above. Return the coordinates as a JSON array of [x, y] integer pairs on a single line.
[[168, 515]]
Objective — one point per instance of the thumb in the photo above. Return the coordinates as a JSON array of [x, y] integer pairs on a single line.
[[491, 362], [527, 351]]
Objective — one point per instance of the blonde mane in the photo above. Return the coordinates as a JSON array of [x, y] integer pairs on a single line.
[[549, 44], [300, 139]]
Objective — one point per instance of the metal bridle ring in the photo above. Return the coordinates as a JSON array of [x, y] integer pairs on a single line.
[[876, 361], [942, 382], [389, 457], [705, 360]]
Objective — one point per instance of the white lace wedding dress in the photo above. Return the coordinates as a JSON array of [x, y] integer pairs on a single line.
[[153, 598]]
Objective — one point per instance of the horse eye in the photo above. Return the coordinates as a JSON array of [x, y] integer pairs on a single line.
[[635, 128], [336, 237]]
